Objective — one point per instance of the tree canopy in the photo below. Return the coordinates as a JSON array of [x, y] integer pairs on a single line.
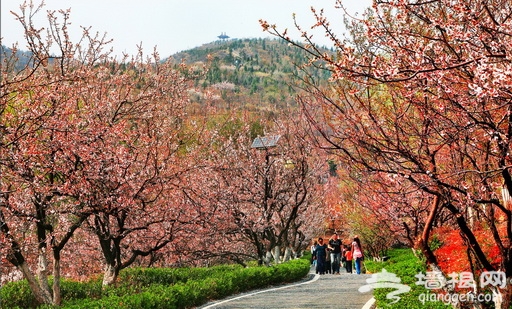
[[419, 107]]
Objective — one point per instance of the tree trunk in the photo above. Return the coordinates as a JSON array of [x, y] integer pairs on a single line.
[[503, 297], [268, 258], [110, 248], [277, 254], [42, 273], [287, 254], [498, 298], [422, 242], [41, 295], [57, 299], [16, 258], [109, 275]]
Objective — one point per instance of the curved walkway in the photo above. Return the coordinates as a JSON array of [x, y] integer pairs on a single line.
[[325, 291]]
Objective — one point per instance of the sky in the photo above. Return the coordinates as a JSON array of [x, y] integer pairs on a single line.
[[176, 25]]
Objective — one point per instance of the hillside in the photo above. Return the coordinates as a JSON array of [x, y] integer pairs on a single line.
[[23, 58], [249, 74], [253, 74]]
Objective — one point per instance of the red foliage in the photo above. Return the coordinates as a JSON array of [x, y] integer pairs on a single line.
[[452, 255]]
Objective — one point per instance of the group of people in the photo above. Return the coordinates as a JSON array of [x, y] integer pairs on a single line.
[[329, 257]]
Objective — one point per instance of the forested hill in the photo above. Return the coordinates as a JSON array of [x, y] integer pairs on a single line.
[[253, 74], [23, 58]]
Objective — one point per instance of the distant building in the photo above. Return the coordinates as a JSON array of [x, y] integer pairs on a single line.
[[223, 36]]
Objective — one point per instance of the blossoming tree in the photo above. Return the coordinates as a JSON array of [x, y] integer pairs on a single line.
[[421, 92]]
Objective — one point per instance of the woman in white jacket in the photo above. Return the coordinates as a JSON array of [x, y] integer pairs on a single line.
[[313, 246]]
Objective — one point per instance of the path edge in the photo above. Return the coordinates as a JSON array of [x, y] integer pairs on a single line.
[[369, 304]]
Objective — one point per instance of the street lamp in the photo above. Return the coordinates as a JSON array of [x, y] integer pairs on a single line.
[[264, 143]]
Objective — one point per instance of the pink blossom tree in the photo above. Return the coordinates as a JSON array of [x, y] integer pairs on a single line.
[[420, 91], [264, 194], [93, 145]]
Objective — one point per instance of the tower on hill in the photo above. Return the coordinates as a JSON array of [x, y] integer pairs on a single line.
[[223, 36]]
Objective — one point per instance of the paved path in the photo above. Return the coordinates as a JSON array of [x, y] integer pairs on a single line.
[[325, 291]]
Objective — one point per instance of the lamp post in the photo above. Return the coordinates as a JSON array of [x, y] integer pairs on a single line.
[[264, 143]]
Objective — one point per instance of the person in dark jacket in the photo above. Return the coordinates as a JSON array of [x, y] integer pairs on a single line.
[[320, 254], [328, 261], [335, 252]]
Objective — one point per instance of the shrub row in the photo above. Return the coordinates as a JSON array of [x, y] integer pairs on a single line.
[[162, 288]]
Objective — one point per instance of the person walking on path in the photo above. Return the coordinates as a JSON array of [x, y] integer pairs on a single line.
[[357, 253], [335, 247], [313, 246], [348, 259], [320, 254], [328, 269]]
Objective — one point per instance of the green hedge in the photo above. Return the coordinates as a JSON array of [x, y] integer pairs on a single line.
[[16, 295], [405, 265], [163, 287]]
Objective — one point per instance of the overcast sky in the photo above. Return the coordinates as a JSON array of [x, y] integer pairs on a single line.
[[176, 25]]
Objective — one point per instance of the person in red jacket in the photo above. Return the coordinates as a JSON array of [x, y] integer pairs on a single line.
[[348, 259]]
